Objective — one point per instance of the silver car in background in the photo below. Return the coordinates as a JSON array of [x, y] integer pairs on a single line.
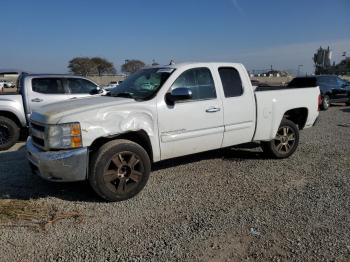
[[33, 91]]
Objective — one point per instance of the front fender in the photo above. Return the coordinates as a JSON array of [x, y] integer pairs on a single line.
[[15, 107], [110, 123]]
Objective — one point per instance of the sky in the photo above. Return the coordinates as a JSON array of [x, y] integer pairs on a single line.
[[43, 35]]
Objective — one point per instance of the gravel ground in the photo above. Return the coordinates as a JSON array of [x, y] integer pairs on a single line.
[[225, 205]]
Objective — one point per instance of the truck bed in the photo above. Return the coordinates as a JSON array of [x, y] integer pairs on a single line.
[[273, 88], [272, 105]]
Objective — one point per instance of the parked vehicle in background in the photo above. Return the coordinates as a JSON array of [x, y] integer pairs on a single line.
[[160, 113], [112, 85], [333, 88], [32, 92], [6, 84]]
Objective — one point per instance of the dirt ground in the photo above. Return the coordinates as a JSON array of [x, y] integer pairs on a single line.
[[224, 205]]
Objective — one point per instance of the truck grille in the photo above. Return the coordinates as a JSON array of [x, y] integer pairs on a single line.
[[37, 132]]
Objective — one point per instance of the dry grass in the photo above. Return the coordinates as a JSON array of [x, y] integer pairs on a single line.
[[28, 213]]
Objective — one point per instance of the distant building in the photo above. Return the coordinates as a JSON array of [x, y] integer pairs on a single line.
[[270, 73], [277, 73]]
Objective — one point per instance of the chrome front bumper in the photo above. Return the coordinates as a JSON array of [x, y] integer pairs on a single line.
[[58, 166]]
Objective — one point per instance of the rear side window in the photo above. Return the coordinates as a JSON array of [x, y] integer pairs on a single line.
[[80, 86], [231, 81], [48, 85], [200, 81]]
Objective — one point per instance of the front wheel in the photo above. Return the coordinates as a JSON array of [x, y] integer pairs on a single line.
[[119, 170], [285, 143]]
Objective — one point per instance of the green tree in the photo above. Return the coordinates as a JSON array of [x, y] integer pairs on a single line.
[[103, 66], [90, 66], [81, 66], [132, 66]]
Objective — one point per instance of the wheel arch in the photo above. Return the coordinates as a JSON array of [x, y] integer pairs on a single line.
[[297, 115], [11, 116], [140, 137]]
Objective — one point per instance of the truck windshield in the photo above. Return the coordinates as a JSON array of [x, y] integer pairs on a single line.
[[144, 84]]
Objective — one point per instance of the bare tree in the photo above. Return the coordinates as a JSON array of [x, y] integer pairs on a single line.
[[131, 66]]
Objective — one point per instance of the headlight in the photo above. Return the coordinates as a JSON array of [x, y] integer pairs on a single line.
[[64, 136]]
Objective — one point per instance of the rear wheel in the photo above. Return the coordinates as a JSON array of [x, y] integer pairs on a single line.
[[119, 170], [325, 102], [285, 143], [9, 133]]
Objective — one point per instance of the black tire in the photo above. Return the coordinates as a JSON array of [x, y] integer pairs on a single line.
[[325, 103], [9, 133], [119, 170], [348, 103], [285, 142]]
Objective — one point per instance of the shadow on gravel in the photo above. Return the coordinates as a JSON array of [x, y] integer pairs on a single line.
[[346, 110], [246, 151], [18, 183]]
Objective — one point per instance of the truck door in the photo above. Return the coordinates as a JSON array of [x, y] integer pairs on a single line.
[[45, 91], [342, 88], [193, 125], [239, 106]]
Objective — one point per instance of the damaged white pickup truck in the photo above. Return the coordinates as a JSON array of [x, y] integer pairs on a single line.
[[160, 113]]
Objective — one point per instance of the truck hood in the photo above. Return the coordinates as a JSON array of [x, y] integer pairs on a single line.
[[52, 113]]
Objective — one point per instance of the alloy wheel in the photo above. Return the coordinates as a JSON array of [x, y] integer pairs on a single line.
[[123, 172], [284, 140]]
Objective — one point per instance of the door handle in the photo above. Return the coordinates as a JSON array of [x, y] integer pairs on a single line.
[[37, 100], [212, 110]]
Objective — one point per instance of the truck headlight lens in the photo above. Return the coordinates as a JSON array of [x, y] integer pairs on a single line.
[[64, 136]]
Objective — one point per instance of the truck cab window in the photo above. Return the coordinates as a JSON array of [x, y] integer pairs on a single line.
[[200, 81], [80, 86], [231, 81], [48, 85]]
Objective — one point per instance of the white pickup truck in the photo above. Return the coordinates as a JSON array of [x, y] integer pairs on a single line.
[[32, 92], [160, 113]]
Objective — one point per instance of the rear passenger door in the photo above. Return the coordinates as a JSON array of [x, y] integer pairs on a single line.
[[45, 91], [239, 106]]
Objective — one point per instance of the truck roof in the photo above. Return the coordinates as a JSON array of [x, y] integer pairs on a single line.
[[54, 75], [185, 64]]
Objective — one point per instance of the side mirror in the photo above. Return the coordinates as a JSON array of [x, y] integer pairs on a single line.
[[96, 91], [178, 94]]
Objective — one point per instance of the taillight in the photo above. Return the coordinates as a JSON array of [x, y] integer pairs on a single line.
[[319, 102]]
